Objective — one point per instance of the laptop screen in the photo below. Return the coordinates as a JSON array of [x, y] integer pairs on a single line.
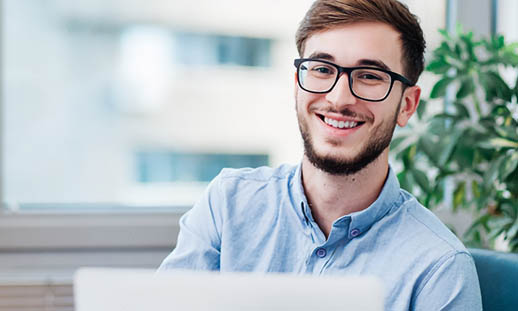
[[132, 290]]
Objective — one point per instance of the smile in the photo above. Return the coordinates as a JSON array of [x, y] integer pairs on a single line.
[[340, 124]]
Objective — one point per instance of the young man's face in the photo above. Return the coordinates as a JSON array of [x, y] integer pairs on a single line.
[[347, 150]]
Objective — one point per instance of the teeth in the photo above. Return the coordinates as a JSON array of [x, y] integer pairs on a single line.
[[340, 124]]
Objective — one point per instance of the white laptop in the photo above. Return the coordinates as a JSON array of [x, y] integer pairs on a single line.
[[142, 290]]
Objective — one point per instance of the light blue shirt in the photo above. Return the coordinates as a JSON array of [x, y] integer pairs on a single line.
[[259, 220]]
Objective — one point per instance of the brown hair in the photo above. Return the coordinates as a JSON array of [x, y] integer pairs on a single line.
[[327, 14]]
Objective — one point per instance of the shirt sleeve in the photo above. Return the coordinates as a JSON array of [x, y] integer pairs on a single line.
[[199, 240], [452, 285]]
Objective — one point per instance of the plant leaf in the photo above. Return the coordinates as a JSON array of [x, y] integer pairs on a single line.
[[438, 66], [492, 172], [507, 132], [475, 189], [508, 165], [458, 195], [495, 86], [445, 34], [502, 142], [462, 110], [439, 89], [426, 145], [445, 154], [513, 230], [421, 108], [500, 41], [498, 226], [421, 179], [403, 178], [479, 222], [467, 87], [396, 141], [468, 41]]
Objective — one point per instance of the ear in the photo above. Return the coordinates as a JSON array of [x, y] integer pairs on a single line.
[[296, 80], [296, 86], [409, 104]]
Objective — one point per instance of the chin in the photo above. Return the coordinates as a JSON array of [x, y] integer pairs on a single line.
[[335, 163]]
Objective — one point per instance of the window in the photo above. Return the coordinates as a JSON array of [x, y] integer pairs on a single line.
[[191, 167], [209, 49], [85, 88]]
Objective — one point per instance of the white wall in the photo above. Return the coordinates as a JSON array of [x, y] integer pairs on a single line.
[[507, 22]]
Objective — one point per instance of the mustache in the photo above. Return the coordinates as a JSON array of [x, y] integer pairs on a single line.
[[346, 112]]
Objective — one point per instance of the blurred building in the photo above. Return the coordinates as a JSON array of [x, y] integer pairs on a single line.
[[142, 102]]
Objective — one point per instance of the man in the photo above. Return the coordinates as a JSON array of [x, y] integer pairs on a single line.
[[341, 211]]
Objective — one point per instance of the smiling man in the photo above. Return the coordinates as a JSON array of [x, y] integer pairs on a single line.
[[341, 211]]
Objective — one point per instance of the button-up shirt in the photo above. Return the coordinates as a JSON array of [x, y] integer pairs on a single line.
[[259, 220]]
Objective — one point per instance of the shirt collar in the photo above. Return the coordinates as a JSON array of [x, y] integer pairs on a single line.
[[299, 199], [361, 220], [387, 199]]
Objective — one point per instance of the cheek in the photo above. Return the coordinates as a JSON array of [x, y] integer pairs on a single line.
[[382, 114], [300, 100], [389, 108], [304, 100]]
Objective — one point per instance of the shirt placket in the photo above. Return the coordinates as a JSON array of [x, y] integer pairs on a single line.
[[322, 253]]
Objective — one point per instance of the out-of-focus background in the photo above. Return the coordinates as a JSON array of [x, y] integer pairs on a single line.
[[116, 114]]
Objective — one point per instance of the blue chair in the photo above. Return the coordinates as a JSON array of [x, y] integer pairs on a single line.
[[498, 276]]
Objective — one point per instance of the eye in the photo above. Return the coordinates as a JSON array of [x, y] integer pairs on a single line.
[[322, 70], [368, 76]]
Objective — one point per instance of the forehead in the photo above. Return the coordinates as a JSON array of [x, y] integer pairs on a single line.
[[348, 45]]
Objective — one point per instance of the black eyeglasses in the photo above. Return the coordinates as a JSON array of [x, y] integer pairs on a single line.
[[367, 83]]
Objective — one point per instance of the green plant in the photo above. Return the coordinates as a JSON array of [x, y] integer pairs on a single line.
[[465, 154]]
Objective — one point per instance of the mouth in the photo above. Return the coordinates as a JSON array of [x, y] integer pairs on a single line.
[[340, 124]]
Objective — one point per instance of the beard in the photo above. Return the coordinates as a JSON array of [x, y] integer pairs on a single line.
[[334, 165]]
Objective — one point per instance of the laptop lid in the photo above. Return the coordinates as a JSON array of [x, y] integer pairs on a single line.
[[131, 290]]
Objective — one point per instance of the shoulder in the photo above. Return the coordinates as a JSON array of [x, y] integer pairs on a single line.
[[239, 188], [429, 246], [240, 195], [230, 178], [263, 173], [425, 224]]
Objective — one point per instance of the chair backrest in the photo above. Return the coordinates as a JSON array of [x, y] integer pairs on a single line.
[[498, 276]]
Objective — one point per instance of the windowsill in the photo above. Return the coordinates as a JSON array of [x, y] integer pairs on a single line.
[[54, 241], [55, 228], [36, 277]]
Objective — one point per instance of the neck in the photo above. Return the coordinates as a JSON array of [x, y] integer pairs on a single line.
[[333, 196]]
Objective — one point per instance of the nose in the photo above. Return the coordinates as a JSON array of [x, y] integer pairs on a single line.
[[341, 94]]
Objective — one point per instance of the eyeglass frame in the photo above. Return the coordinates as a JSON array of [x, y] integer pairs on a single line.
[[393, 76]]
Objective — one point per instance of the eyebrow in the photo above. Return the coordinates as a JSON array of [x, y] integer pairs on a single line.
[[374, 63], [362, 62], [321, 55]]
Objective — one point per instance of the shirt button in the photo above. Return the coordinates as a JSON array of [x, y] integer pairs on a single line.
[[355, 233], [321, 253]]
